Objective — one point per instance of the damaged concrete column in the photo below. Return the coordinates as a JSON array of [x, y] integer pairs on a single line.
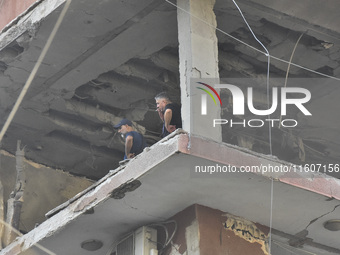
[[14, 203], [2, 215], [198, 56]]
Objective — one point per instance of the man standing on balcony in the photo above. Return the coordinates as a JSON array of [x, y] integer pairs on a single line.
[[170, 113], [134, 141]]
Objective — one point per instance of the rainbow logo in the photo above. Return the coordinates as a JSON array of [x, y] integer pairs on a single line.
[[204, 97]]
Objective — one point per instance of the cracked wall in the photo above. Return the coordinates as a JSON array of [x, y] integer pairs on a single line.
[[247, 230], [45, 189], [203, 230]]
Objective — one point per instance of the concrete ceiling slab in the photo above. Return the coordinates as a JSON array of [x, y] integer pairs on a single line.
[[169, 184]]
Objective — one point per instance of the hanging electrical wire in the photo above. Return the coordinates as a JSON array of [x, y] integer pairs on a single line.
[[167, 238], [268, 71], [250, 46], [288, 68], [269, 126]]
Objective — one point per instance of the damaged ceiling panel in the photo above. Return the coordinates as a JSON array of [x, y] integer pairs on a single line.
[[89, 82], [110, 58]]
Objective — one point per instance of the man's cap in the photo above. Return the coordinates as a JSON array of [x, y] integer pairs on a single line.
[[123, 122]]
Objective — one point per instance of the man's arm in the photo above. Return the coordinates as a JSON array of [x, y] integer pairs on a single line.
[[167, 120], [128, 146]]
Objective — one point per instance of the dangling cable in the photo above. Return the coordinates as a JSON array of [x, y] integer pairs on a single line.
[[268, 68], [252, 47], [288, 68], [269, 127]]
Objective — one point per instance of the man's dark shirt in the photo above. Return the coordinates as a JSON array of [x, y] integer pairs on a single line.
[[176, 118], [138, 144]]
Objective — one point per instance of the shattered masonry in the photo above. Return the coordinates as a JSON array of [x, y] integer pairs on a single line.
[[246, 230]]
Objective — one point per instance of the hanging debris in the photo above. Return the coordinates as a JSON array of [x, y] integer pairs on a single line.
[[247, 230]]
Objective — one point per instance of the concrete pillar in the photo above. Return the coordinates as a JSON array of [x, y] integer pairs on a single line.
[[198, 56], [2, 214], [14, 204], [13, 220]]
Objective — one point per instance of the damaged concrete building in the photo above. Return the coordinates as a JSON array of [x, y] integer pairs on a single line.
[[196, 191]]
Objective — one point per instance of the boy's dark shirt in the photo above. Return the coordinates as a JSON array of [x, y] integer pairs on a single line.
[[138, 142]]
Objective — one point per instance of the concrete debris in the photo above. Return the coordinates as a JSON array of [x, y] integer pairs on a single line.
[[246, 230], [119, 193], [16, 199]]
